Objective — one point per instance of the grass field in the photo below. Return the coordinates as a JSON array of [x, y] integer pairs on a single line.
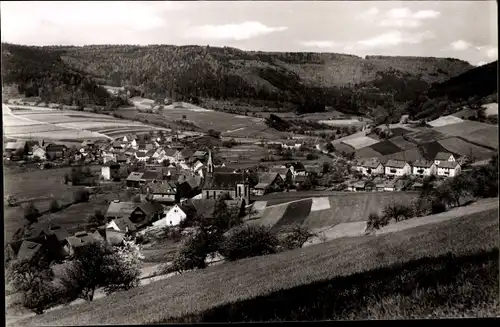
[[425, 135], [412, 154], [360, 142], [188, 296], [295, 213], [476, 132], [385, 147], [463, 148], [401, 143]]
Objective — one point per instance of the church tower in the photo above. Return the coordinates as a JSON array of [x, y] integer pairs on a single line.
[[210, 164]]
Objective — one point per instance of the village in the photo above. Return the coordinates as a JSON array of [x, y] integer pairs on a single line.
[[174, 180]]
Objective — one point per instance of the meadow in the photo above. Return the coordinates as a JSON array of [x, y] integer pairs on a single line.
[[192, 295]]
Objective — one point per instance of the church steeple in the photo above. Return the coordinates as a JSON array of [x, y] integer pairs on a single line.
[[210, 164]]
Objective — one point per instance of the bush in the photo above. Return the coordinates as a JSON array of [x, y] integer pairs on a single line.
[[31, 213], [191, 255], [96, 219], [55, 206], [296, 237], [81, 196], [376, 221], [248, 241]]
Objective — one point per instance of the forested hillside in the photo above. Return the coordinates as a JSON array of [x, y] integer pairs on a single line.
[[345, 82], [465, 89], [305, 81], [37, 71]]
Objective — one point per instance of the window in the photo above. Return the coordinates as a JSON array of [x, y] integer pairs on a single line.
[[214, 195], [239, 191], [208, 195]]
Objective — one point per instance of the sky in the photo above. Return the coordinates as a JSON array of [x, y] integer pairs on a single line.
[[465, 30]]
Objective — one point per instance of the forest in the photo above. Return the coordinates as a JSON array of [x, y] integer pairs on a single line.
[[308, 82]]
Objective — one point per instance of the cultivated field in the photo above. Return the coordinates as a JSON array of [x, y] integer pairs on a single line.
[[360, 142], [189, 296], [461, 147], [479, 133], [65, 124]]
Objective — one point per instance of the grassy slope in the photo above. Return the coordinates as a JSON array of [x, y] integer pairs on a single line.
[[198, 291]]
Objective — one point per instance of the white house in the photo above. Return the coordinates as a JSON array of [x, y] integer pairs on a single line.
[[448, 168], [173, 217], [424, 168], [293, 145], [38, 152], [107, 157], [141, 156], [170, 155], [106, 173], [159, 153], [197, 166], [397, 168], [371, 166], [443, 156]]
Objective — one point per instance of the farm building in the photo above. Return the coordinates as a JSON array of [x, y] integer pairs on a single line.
[[370, 166], [189, 187], [108, 157], [29, 250], [200, 155], [397, 168], [142, 156], [424, 168], [135, 179], [448, 168], [38, 152], [443, 156], [118, 228], [55, 150], [81, 239], [232, 183], [170, 155], [117, 146], [13, 146], [268, 182], [120, 209], [183, 155]]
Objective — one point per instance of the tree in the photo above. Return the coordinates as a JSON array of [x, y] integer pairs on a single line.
[[330, 147], [31, 213], [26, 149], [96, 219], [376, 221], [326, 167], [100, 265], [55, 206], [192, 254], [33, 279], [214, 133], [248, 241]]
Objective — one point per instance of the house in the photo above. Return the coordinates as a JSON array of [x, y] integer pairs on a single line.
[[80, 240], [121, 158], [109, 157], [110, 170], [313, 170], [118, 228], [292, 145], [146, 213], [200, 155], [370, 166], [183, 155], [88, 144], [135, 179], [268, 182], [189, 187], [117, 146], [170, 155], [162, 191], [286, 174], [129, 138], [448, 168], [11, 147], [159, 153], [232, 183], [424, 168], [142, 156], [29, 250], [38, 152], [300, 180], [174, 216], [152, 175], [443, 156], [55, 150], [397, 168], [120, 209]]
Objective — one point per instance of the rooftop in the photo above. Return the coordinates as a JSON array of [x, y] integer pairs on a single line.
[[442, 156], [448, 164], [395, 163]]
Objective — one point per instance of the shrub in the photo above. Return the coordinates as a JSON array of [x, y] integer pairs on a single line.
[[296, 237], [376, 221], [248, 241], [55, 206], [31, 213], [191, 255], [96, 219], [81, 196]]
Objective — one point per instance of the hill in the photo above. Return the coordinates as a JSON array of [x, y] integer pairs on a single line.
[[187, 72], [436, 251], [468, 88], [38, 71]]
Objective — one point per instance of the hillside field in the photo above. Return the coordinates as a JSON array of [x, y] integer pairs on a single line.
[[187, 297], [66, 125], [336, 209]]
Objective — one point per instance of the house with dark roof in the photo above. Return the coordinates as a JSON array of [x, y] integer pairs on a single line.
[[285, 173], [443, 157], [232, 183], [146, 213], [117, 145], [135, 179], [189, 187], [117, 229], [200, 155], [397, 168], [424, 168], [81, 239], [120, 209], [121, 158], [162, 191], [54, 151], [268, 182], [151, 175], [448, 168], [183, 155], [369, 166], [29, 251], [142, 155]]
